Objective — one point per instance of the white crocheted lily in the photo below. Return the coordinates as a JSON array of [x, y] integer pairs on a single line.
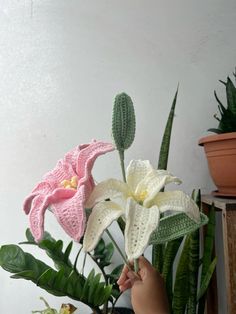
[[140, 201]]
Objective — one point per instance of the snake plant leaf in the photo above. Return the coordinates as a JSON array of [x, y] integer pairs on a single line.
[[165, 144], [158, 250], [123, 122], [207, 253], [227, 121], [181, 287], [193, 272], [175, 226], [171, 250], [208, 243], [207, 278], [231, 95]]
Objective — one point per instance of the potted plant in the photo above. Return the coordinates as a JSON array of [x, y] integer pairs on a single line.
[[220, 149]]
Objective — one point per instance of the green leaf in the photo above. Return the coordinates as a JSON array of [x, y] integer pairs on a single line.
[[99, 248], [207, 279], [209, 239], [67, 252], [181, 287], [93, 287], [171, 250], [12, 258], [106, 294], [165, 145], [158, 250], [26, 274], [175, 226], [193, 272], [231, 96]]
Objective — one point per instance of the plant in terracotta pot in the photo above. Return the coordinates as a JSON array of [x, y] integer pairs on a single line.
[[220, 149]]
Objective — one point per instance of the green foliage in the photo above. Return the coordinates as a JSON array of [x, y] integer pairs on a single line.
[[103, 253], [66, 280], [165, 144], [158, 250], [181, 286], [188, 294], [227, 119], [208, 266], [171, 250]]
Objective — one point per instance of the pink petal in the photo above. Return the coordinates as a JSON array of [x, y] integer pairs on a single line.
[[43, 188], [36, 216], [62, 171], [87, 157], [70, 214], [38, 207], [72, 156]]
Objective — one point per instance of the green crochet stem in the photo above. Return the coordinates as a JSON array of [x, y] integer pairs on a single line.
[[118, 249], [122, 164]]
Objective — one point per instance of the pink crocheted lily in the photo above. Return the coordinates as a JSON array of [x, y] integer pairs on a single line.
[[140, 201], [65, 189]]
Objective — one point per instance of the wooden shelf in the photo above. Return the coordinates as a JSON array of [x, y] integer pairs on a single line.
[[227, 207]]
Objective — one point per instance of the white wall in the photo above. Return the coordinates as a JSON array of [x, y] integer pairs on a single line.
[[61, 64]]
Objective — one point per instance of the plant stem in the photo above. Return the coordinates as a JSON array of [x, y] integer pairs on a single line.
[[136, 267], [122, 164], [85, 255], [118, 249]]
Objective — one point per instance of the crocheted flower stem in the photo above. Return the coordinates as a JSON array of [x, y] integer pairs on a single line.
[[136, 267], [118, 249], [122, 164]]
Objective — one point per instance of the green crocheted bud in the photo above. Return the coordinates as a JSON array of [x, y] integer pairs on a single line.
[[123, 122]]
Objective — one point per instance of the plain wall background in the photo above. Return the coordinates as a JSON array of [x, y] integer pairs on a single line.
[[61, 64]]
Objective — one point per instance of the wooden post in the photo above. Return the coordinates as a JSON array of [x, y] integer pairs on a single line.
[[227, 207]]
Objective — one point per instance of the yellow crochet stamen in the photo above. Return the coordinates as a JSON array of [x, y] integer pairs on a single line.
[[70, 184], [141, 196]]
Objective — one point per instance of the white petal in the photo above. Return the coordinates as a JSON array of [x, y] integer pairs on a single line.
[[140, 223], [136, 171], [177, 201], [110, 188], [103, 214], [153, 183]]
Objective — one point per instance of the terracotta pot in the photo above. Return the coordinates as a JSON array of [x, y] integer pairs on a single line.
[[220, 150]]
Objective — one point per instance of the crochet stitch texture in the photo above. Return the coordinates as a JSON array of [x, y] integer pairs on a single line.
[[65, 189]]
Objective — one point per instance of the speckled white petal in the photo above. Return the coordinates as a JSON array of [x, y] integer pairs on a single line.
[[140, 223], [177, 201], [108, 189], [136, 171], [103, 214], [153, 183]]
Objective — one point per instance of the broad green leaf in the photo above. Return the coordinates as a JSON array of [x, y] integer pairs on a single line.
[[12, 258]]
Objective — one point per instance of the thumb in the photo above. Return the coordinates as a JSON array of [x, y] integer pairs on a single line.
[[133, 277], [144, 263]]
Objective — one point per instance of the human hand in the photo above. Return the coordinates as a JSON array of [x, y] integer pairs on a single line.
[[148, 295]]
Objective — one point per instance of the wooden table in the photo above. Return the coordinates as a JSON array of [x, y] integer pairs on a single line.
[[227, 207]]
